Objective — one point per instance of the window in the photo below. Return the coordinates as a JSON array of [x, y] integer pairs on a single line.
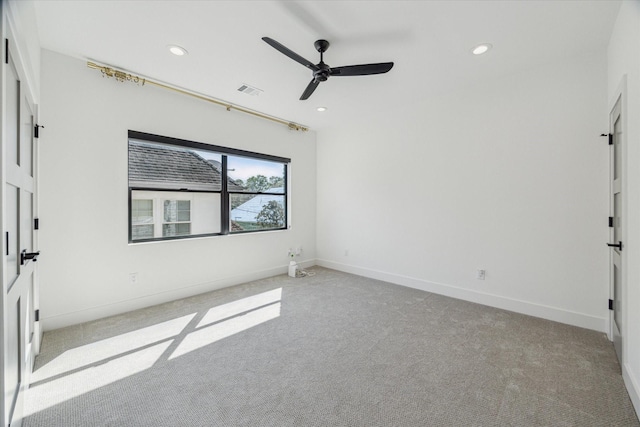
[[177, 218], [258, 200], [141, 219], [181, 189]]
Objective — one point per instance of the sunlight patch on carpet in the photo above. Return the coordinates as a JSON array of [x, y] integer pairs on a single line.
[[234, 308], [73, 385], [218, 331], [111, 347]]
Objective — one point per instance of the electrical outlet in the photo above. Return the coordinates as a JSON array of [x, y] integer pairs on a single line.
[[346, 252], [481, 274], [298, 250], [133, 277]]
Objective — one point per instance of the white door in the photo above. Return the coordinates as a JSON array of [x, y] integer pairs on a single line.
[[616, 244], [19, 261]]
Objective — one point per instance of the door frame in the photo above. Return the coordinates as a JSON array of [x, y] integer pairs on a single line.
[[9, 29], [619, 94]]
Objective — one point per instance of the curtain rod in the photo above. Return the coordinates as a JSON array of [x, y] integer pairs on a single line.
[[122, 76]]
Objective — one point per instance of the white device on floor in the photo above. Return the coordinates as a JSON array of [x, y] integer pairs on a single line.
[[293, 268]]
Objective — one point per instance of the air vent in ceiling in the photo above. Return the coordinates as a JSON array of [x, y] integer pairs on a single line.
[[250, 90]]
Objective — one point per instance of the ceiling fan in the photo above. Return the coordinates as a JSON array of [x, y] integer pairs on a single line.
[[321, 71]]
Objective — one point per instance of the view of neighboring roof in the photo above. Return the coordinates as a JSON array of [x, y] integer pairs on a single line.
[[166, 167], [249, 210]]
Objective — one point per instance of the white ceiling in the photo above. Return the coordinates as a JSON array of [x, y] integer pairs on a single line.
[[429, 41]]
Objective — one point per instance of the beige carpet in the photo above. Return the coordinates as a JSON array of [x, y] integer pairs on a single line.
[[329, 350]]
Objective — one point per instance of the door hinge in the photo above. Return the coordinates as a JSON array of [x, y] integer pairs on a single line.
[[609, 137], [610, 304], [6, 51], [37, 315], [610, 221], [36, 223], [36, 131]]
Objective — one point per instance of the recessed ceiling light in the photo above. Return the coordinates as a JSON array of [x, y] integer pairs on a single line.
[[321, 109], [177, 50], [481, 48]]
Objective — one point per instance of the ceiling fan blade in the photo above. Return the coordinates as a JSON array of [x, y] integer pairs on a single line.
[[291, 54], [362, 70], [309, 90]]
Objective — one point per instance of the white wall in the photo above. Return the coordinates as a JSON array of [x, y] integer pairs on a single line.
[[508, 176], [624, 65], [86, 260]]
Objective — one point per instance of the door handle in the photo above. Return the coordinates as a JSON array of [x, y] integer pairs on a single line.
[[615, 245], [26, 256]]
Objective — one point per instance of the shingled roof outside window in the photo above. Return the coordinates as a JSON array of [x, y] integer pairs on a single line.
[[172, 168]]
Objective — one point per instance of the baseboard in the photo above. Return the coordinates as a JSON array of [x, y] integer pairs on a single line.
[[99, 312], [537, 310], [632, 386]]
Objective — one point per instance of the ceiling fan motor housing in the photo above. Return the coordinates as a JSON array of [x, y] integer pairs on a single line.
[[322, 74]]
